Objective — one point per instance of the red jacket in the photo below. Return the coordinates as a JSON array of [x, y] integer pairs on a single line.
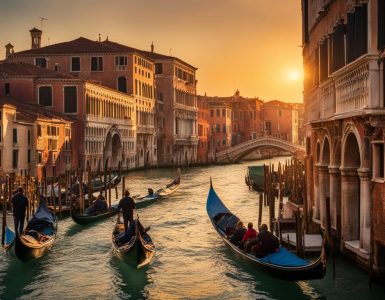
[[250, 233]]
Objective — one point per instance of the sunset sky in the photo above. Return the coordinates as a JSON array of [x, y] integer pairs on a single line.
[[250, 45]]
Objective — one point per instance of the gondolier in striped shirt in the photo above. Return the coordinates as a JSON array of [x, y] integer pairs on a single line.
[[127, 206]]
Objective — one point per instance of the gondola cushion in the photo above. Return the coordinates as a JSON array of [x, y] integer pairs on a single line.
[[283, 257]]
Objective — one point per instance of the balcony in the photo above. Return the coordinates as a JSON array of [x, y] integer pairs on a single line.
[[327, 103], [98, 119], [185, 140], [145, 129]]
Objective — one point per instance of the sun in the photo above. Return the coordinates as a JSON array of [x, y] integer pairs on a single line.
[[294, 75]]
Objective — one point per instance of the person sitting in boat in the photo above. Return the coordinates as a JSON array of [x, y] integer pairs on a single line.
[[98, 207], [238, 234], [150, 191], [249, 238], [266, 242]]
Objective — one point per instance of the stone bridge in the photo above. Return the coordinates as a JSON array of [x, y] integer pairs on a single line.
[[237, 152]]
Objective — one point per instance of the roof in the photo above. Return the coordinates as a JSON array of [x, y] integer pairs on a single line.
[[34, 29], [84, 45], [230, 99], [24, 69], [276, 104], [28, 111]]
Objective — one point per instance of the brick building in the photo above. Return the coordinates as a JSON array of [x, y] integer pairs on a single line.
[[33, 137], [104, 127], [343, 58], [280, 120], [203, 131], [176, 93], [115, 66]]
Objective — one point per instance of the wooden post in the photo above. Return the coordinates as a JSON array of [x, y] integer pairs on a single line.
[[123, 185], [66, 188], [81, 191], [329, 235], [299, 233], [59, 197], [45, 184], [260, 210], [53, 189], [105, 179], [4, 224], [89, 185], [109, 187]]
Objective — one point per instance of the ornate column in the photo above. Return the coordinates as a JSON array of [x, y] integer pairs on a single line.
[[335, 194], [365, 203], [323, 186], [350, 202]]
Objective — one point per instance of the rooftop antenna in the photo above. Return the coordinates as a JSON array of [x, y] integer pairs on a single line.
[[41, 22]]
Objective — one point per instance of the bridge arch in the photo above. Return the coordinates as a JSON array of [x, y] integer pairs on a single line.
[[236, 153]]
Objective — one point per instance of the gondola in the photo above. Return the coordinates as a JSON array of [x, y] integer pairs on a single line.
[[9, 239], [84, 219], [169, 188], [282, 264], [134, 247], [38, 236]]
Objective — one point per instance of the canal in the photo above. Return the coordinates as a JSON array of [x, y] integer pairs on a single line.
[[190, 262]]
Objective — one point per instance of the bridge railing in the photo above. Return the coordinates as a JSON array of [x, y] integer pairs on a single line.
[[263, 141]]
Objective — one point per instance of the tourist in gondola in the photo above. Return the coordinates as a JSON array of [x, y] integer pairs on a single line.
[[19, 205], [265, 242], [238, 234], [98, 207], [249, 237], [127, 206]]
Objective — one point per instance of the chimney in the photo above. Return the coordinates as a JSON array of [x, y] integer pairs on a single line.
[[152, 47], [36, 38], [8, 49]]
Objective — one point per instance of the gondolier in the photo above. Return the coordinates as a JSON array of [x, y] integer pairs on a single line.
[[127, 206], [19, 206]]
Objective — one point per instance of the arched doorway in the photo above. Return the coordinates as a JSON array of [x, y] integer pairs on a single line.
[[335, 186], [350, 190], [113, 148], [323, 177], [316, 214]]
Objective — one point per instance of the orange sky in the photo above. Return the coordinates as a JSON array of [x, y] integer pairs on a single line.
[[250, 45]]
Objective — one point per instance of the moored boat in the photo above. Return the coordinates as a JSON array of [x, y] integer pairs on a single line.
[[282, 263], [9, 239], [84, 219], [38, 236], [169, 188], [135, 246]]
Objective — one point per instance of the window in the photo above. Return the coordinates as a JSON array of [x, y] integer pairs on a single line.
[[224, 128], [218, 112], [39, 130], [280, 113], [41, 62], [29, 137], [15, 135], [223, 112], [122, 84], [96, 63], [7, 89], [158, 68], [121, 61], [1, 157], [1, 133], [68, 132], [57, 67], [218, 128], [75, 64], [224, 143], [52, 144], [211, 113], [70, 99], [29, 156], [45, 95], [15, 158], [39, 157], [378, 161]]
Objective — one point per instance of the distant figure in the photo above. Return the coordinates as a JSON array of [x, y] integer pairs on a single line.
[[150, 191], [238, 234], [127, 206], [265, 242], [19, 205], [98, 207], [249, 237]]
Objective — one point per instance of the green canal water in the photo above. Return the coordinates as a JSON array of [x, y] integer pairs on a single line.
[[190, 262]]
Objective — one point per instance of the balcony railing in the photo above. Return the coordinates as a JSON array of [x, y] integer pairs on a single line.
[[145, 129], [327, 101], [352, 89], [184, 139]]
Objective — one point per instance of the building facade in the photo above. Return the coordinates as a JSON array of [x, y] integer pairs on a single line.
[[176, 92], [113, 66], [104, 126], [204, 134], [280, 120], [344, 104]]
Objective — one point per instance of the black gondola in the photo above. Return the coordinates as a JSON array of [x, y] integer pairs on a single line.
[[84, 219], [282, 264], [38, 236], [134, 247]]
